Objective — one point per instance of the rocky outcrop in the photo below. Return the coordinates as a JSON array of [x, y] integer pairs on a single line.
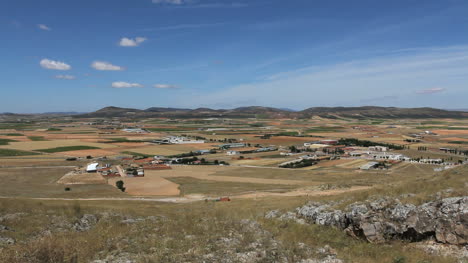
[[85, 223], [444, 220]]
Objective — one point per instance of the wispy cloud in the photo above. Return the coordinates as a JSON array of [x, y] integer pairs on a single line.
[[172, 2], [103, 65], [391, 78], [165, 86], [198, 4], [52, 64], [44, 27], [430, 91], [183, 26], [68, 77], [215, 5], [122, 85], [129, 42]]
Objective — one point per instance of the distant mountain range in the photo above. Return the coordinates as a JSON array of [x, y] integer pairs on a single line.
[[268, 112]]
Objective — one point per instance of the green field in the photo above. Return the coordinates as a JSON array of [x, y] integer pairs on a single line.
[[458, 142], [13, 134], [324, 129], [6, 141], [54, 129], [11, 152], [37, 138], [67, 149]]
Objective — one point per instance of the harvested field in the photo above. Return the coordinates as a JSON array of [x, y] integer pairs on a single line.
[[333, 163], [455, 139], [150, 185], [353, 164], [42, 182], [190, 186], [81, 178], [451, 132], [273, 162], [208, 173]]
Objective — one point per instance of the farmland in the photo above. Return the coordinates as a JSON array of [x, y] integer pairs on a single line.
[[45, 168]]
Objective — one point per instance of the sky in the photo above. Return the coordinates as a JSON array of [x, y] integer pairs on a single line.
[[63, 55]]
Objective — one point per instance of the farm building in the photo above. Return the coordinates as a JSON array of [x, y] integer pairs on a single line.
[[92, 167], [203, 151], [378, 148], [232, 152], [136, 130], [178, 140], [231, 145]]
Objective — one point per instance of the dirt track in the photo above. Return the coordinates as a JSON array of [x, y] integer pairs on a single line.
[[195, 198]]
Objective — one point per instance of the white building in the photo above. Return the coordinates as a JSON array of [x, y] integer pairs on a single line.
[[137, 130], [92, 167], [178, 140], [232, 152]]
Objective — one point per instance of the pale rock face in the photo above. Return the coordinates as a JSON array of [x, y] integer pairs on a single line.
[[446, 220]]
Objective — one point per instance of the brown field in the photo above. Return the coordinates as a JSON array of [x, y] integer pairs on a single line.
[[455, 139], [85, 178], [451, 132], [150, 185], [210, 173], [333, 163]]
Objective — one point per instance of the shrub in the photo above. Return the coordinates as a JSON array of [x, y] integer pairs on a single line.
[[120, 185]]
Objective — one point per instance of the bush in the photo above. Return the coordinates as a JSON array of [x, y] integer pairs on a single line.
[[120, 185]]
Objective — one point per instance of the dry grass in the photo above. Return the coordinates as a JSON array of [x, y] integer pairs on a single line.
[[42, 182], [190, 186]]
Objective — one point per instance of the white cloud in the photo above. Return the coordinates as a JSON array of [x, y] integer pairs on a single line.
[[65, 77], [430, 91], [165, 86], [103, 65], [129, 42], [44, 27], [121, 85], [51, 64], [172, 2]]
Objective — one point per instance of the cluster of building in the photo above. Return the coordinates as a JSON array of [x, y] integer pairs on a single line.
[[177, 140]]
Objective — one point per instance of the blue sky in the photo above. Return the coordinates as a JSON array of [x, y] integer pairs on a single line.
[[63, 55]]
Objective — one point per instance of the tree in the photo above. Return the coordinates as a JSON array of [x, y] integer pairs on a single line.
[[120, 185], [216, 162]]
